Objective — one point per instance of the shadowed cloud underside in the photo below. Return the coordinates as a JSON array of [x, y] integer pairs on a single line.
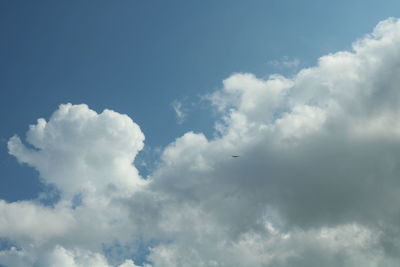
[[316, 183]]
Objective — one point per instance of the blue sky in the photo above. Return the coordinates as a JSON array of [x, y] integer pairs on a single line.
[[140, 57]]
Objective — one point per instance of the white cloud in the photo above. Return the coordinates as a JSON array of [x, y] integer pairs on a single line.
[[30, 228], [62, 257], [179, 111], [319, 150], [315, 184], [285, 62], [86, 156], [81, 151]]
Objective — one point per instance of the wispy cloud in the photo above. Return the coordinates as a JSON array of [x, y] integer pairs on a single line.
[[179, 111], [284, 63]]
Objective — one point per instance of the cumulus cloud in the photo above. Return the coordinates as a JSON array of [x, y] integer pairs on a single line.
[[80, 151], [31, 229], [316, 182], [88, 158]]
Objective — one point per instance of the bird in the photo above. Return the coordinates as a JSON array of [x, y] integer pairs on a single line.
[[235, 156]]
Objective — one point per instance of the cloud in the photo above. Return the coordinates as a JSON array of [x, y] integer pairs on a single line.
[[318, 150], [58, 256], [285, 63], [315, 184], [179, 111], [88, 158], [80, 151], [31, 229]]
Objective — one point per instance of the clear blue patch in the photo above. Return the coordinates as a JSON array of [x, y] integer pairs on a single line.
[[137, 251], [6, 244], [49, 195], [146, 161], [76, 201], [278, 113]]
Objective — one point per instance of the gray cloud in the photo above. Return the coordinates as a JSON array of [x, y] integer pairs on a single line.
[[316, 182]]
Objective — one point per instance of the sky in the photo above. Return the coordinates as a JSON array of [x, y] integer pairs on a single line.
[[120, 119]]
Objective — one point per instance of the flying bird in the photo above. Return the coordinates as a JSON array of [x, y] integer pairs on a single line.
[[235, 156]]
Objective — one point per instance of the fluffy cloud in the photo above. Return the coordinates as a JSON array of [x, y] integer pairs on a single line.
[[80, 151], [31, 229], [57, 256], [318, 150], [88, 158], [316, 182]]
